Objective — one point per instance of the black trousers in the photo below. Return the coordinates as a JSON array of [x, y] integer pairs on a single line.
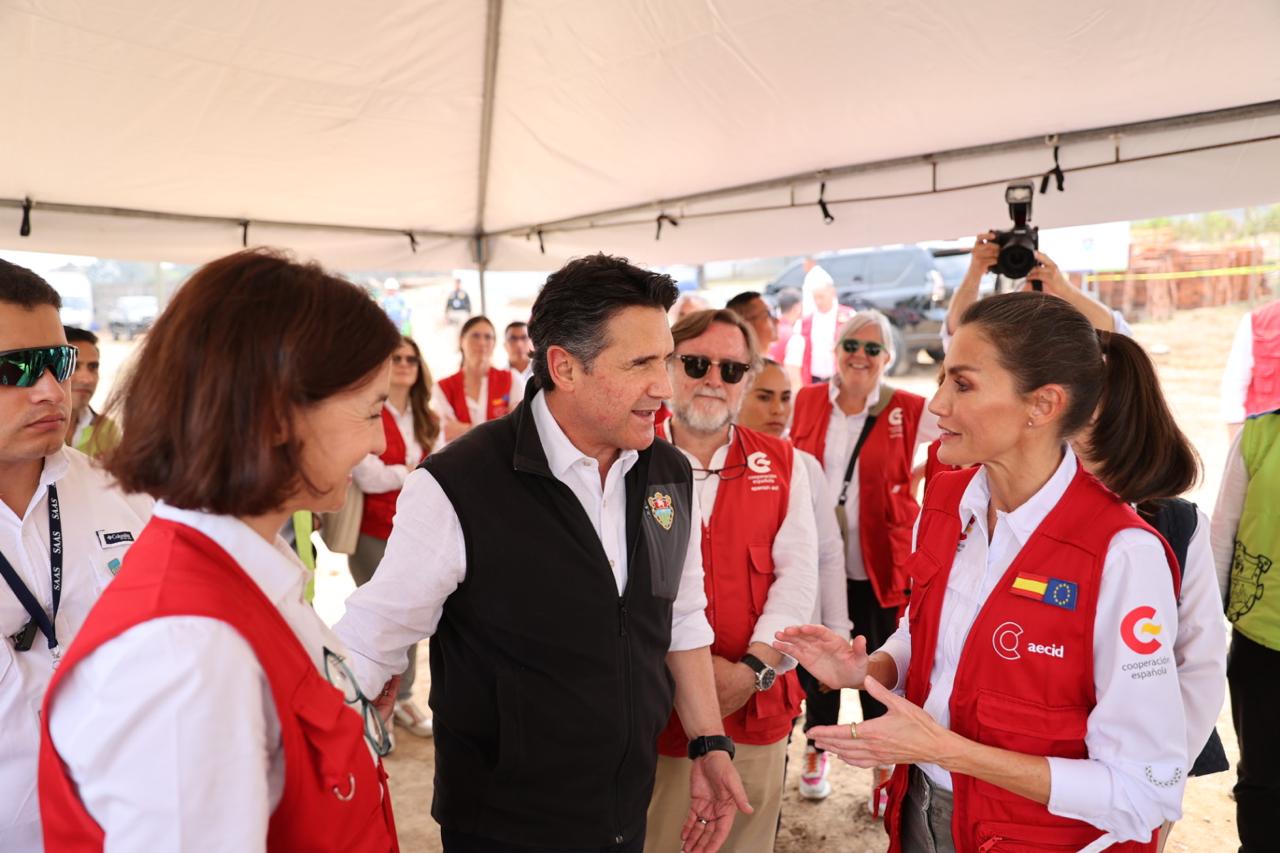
[[877, 624], [1253, 677], [459, 842], [872, 621]]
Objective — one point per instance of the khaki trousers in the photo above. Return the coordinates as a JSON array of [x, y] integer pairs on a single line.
[[762, 769]]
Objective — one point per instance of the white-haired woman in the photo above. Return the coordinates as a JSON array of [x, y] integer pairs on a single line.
[[865, 434]]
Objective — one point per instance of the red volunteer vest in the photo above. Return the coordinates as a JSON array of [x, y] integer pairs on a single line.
[[498, 404], [1025, 679], [737, 564], [843, 313], [380, 508], [933, 465], [334, 799], [1264, 384], [886, 507]]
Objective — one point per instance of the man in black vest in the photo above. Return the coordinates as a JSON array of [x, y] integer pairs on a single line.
[[548, 555]]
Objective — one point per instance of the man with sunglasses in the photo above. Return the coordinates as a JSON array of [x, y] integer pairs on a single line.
[[63, 530], [759, 555]]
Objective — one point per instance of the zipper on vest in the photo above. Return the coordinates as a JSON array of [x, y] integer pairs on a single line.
[[626, 716], [989, 844]]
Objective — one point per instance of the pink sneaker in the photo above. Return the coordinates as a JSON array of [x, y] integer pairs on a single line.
[[813, 778]]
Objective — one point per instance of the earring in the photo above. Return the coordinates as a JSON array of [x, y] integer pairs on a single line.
[[1030, 423]]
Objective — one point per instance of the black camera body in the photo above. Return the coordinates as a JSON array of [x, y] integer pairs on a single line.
[[1019, 244]]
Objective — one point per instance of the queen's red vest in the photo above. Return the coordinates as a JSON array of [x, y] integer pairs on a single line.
[[498, 404], [886, 507], [843, 313], [737, 565], [1264, 383], [335, 798], [1004, 695], [380, 508]]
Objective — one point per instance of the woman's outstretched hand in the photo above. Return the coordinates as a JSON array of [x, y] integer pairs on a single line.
[[830, 658]]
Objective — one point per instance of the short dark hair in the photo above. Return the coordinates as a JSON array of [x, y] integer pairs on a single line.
[[788, 298], [742, 300], [1135, 444], [20, 286], [77, 335], [208, 411], [514, 324], [575, 305]]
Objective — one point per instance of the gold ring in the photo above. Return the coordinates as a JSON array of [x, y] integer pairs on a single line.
[[853, 730]]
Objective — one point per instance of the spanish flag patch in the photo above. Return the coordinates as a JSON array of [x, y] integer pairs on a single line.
[[1059, 593]]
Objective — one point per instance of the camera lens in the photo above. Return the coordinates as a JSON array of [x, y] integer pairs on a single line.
[[1017, 257]]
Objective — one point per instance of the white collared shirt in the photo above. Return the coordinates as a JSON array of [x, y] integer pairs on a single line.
[[477, 408], [426, 559], [89, 504], [831, 607], [1136, 731], [170, 730], [842, 434], [822, 361], [792, 595]]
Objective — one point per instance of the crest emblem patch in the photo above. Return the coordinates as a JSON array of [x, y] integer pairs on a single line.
[[661, 509]]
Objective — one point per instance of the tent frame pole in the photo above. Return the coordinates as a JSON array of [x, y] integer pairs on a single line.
[[492, 33]]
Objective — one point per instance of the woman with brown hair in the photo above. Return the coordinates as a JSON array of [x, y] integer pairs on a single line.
[[204, 700], [412, 431], [1042, 704], [478, 392]]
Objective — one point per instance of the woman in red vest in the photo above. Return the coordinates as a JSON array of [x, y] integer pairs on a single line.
[[478, 392], [1042, 707], [870, 495], [204, 703], [412, 431]]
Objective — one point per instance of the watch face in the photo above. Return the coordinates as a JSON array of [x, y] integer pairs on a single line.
[[764, 680]]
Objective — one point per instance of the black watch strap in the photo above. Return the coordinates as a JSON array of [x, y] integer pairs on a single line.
[[700, 746], [757, 666]]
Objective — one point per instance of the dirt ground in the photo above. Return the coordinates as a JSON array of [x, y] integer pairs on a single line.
[[1190, 351]]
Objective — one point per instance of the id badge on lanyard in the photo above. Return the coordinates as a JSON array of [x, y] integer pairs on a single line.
[[40, 620]]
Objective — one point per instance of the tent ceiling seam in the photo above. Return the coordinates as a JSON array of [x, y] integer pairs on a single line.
[[1259, 110]]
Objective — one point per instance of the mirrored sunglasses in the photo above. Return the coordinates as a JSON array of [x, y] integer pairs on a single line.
[[23, 368]]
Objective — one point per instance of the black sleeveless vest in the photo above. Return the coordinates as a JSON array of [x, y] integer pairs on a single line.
[[548, 688]]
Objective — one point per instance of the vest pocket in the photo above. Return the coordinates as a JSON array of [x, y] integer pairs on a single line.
[[510, 725], [1016, 724], [1001, 837], [761, 559], [665, 522]]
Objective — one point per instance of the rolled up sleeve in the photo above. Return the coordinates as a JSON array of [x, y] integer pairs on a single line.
[[1134, 776], [795, 566]]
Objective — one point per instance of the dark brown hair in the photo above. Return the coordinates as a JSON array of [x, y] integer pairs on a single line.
[[20, 286], [208, 409], [426, 423], [1135, 446]]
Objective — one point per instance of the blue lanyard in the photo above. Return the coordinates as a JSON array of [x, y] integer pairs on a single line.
[[39, 619]]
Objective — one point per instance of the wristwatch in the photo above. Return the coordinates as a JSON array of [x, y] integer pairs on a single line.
[[765, 674], [700, 746]]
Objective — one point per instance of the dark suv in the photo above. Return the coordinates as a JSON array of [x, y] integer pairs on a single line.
[[912, 285]]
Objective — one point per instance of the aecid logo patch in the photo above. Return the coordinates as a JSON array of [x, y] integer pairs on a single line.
[[1139, 630], [759, 462], [1007, 639]]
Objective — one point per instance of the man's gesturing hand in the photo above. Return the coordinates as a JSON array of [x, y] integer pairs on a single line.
[[715, 793]]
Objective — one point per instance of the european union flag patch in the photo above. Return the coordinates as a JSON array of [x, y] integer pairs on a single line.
[[1059, 593]]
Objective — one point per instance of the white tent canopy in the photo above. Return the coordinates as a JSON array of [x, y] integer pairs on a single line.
[[156, 129]]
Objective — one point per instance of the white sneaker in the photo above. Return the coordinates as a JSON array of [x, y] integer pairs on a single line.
[[813, 777], [408, 715]]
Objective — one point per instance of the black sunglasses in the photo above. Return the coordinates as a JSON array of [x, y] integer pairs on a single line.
[[871, 348], [696, 367], [23, 368]]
